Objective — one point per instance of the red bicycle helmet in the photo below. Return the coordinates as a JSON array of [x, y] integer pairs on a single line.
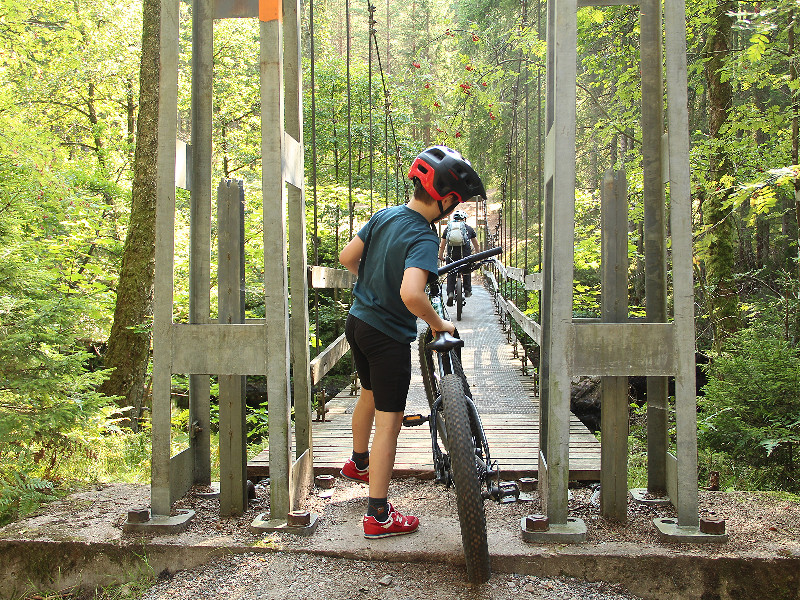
[[443, 171]]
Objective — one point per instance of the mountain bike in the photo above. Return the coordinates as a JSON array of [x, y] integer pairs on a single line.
[[461, 456]]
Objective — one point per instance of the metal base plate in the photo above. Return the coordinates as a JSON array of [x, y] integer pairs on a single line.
[[214, 493], [669, 530], [639, 495], [158, 524], [262, 524], [571, 532]]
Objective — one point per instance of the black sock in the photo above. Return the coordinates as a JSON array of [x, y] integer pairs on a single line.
[[361, 459], [378, 508]]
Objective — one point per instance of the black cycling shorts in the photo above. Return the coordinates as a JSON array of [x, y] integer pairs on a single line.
[[383, 364]]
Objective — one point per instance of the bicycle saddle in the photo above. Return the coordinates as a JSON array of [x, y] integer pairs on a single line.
[[444, 342]]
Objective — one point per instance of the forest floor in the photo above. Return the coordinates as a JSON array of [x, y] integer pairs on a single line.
[[337, 563]]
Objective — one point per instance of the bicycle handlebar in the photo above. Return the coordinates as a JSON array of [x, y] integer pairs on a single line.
[[468, 260]]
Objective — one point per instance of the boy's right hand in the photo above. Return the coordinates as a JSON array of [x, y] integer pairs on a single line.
[[447, 326]]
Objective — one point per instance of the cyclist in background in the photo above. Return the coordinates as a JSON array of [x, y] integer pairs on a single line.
[[456, 240]]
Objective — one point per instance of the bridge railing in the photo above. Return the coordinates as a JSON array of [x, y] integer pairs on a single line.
[[509, 312], [328, 278]]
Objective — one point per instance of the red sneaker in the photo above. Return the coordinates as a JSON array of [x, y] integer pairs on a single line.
[[396, 524], [350, 471]]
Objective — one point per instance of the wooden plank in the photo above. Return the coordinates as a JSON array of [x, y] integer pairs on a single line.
[[513, 442], [160, 493], [214, 349], [584, 3], [683, 286], [328, 278], [533, 282], [241, 9], [621, 349], [326, 359], [528, 325], [516, 274], [276, 277]]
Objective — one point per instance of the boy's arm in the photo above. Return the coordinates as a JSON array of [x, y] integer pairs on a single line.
[[412, 292], [350, 256]]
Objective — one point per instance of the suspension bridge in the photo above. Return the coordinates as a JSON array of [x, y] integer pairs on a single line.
[[612, 346], [506, 397]]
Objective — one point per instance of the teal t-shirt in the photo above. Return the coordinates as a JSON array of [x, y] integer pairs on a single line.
[[394, 239]]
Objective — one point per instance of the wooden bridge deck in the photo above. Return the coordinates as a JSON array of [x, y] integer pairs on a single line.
[[506, 402], [513, 442]]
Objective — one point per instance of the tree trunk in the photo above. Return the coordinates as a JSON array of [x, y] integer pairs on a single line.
[[721, 248], [129, 342]]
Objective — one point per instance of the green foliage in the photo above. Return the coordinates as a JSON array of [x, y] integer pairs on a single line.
[[751, 411], [50, 298]]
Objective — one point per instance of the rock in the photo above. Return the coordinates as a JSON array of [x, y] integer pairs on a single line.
[[386, 580], [584, 402]]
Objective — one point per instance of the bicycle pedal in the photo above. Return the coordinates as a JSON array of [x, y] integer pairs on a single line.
[[414, 420], [508, 492]]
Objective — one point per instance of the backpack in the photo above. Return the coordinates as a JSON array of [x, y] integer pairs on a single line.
[[457, 236]]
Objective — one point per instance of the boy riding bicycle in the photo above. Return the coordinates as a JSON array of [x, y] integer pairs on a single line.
[[394, 255], [456, 240]]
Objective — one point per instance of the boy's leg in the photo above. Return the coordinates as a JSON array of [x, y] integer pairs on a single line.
[[357, 467], [382, 520], [363, 417], [451, 287], [382, 455]]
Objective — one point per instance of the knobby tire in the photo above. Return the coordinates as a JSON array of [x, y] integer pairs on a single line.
[[461, 447]]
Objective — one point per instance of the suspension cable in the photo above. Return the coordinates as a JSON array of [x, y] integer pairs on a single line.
[[387, 107], [349, 123], [314, 170], [371, 13]]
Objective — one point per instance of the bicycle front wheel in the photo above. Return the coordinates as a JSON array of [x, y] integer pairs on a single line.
[[461, 447]]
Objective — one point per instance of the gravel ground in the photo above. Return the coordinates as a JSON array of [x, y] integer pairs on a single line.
[[758, 524], [279, 576]]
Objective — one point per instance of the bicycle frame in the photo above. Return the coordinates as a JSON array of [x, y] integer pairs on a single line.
[[447, 351]]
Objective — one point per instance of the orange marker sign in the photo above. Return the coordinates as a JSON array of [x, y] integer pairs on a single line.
[[269, 10]]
